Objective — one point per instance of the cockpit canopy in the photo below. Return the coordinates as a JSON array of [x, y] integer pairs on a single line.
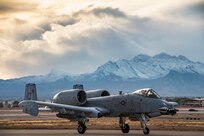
[[147, 92]]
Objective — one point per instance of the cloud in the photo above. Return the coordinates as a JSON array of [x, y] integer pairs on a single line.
[[40, 25], [64, 39], [191, 11], [6, 8], [101, 12], [45, 24], [82, 40], [196, 10], [13, 6]]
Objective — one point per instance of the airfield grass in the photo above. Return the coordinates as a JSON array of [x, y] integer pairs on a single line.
[[15, 119], [103, 123]]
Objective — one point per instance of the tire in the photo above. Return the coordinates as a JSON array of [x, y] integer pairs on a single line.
[[81, 129], [125, 128], [146, 131]]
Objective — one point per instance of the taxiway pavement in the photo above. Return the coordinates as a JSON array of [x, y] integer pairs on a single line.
[[71, 132]]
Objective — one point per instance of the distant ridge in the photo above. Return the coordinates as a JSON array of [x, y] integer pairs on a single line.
[[169, 75]]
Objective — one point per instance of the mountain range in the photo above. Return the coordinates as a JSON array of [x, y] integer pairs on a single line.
[[166, 74]]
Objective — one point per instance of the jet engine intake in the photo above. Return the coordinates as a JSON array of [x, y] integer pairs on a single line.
[[71, 97], [97, 93]]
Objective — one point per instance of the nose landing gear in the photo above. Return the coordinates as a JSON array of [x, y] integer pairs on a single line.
[[143, 120], [146, 130], [125, 128]]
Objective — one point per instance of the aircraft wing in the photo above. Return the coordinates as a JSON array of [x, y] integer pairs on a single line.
[[31, 107]]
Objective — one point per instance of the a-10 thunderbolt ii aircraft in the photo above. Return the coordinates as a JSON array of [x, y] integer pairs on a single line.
[[79, 105]]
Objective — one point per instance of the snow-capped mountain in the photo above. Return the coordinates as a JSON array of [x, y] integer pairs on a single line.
[[146, 67], [168, 75], [53, 75], [140, 67]]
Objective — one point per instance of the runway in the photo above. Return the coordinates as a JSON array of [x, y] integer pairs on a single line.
[[66, 132]]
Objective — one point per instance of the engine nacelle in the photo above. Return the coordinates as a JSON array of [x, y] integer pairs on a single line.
[[71, 97], [97, 93]]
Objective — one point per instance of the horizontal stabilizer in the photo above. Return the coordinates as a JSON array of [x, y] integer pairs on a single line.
[[29, 107]]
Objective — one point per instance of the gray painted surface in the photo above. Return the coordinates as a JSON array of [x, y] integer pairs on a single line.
[[74, 105]]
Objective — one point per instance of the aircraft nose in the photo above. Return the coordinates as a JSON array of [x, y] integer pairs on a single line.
[[170, 104], [174, 104]]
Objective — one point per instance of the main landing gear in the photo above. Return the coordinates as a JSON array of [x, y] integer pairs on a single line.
[[122, 123], [124, 126], [143, 120], [82, 126]]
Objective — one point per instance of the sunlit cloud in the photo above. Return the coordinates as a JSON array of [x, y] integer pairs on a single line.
[[78, 36]]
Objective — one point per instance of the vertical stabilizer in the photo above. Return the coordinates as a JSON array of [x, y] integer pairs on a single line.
[[30, 92]]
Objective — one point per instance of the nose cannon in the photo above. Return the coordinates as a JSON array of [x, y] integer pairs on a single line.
[[172, 111], [169, 108]]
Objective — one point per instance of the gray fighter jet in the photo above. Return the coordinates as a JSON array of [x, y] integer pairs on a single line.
[[79, 105]]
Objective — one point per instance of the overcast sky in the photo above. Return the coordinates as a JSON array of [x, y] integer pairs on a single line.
[[77, 36]]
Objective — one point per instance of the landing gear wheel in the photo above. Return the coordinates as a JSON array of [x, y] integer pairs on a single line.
[[81, 129], [146, 130], [125, 128]]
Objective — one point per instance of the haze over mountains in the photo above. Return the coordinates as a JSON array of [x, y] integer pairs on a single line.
[[168, 75]]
